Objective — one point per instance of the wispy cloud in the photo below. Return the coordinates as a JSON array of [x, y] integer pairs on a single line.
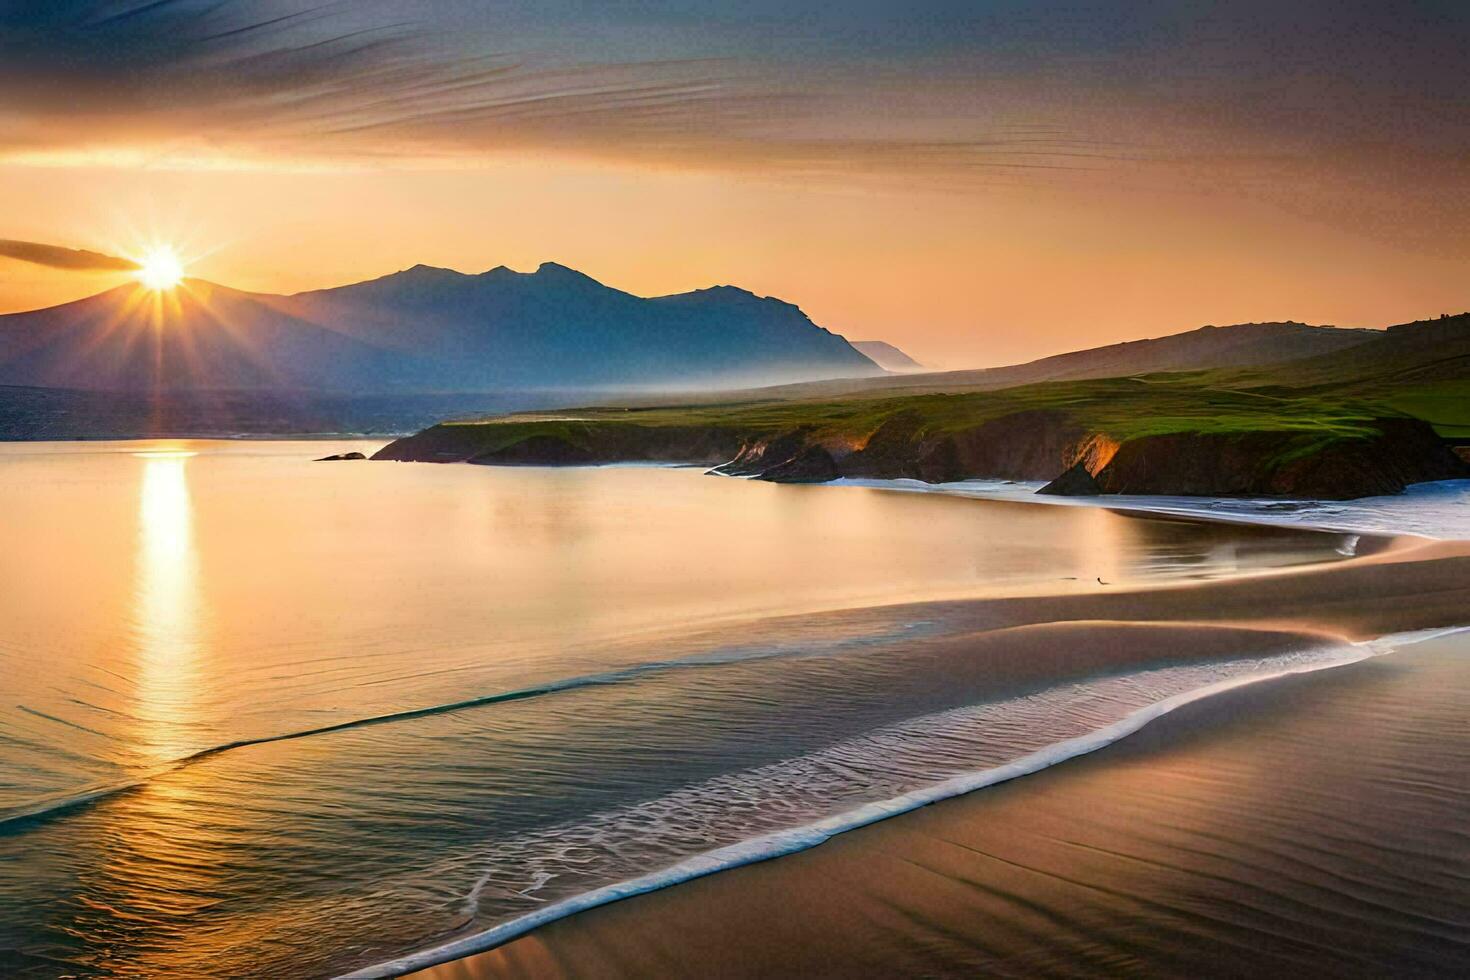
[[58, 257], [673, 84]]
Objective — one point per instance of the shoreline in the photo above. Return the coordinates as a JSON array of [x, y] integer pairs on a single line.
[[1390, 549], [1192, 844], [1126, 504], [1360, 642], [1139, 505], [802, 838]]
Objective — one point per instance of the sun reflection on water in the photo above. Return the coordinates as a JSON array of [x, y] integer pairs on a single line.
[[166, 607]]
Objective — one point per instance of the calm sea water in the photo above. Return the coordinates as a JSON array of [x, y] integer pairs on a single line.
[[261, 716]]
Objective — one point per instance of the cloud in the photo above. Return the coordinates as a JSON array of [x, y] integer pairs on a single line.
[[663, 83], [1342, 109], [57, 257]]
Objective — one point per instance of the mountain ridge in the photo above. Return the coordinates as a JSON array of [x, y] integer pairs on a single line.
[[420, 329]]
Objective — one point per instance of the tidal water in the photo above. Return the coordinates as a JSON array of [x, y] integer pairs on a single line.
[[262, 716]]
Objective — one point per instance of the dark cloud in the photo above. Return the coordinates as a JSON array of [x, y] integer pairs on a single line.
[[57, 257], [649, 81], [315, 76]]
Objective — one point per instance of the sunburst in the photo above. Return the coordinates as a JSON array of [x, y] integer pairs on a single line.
[[160, 269]]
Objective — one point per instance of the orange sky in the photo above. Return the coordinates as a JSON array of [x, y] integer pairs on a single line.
[[989, 276], [972, 196]]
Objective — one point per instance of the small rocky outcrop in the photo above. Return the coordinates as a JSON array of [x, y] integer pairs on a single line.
[[812, 465], [340, 457], [759, 456], [788, 458], [1076, 482]]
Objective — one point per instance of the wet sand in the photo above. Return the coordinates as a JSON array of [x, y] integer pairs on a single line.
[[1318, 824]]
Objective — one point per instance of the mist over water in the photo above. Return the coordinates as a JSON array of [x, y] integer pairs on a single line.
[[446, 696]]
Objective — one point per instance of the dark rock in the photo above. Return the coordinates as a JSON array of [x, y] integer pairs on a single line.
[[341, 456], [1076, 482], [812, 465], [760, 455]]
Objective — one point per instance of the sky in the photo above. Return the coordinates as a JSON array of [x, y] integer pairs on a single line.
[[977, 182]]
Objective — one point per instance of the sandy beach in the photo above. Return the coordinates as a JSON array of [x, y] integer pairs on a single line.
[[1314, 823]]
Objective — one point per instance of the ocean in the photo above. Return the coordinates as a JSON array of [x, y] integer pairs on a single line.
[[264, 716]]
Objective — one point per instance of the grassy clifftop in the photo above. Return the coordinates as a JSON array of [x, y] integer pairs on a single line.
[[1362, 424]]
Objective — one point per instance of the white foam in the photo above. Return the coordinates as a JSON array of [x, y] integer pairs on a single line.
[[1431, 510], [783, 842]]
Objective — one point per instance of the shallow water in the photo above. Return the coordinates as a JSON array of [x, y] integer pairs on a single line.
[[449, 694]]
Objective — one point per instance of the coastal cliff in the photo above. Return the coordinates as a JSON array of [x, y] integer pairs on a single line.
[[1367, 420], [1382, 456]]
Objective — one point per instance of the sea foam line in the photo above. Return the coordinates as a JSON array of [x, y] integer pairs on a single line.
[[1385, 516], [782, 843]]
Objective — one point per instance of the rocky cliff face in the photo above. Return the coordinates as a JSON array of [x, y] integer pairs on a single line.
[[1278, 464], [1032, 445]]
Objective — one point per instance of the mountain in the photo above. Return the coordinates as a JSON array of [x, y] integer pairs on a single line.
[[421, 330], [887, 357], [557, 327]]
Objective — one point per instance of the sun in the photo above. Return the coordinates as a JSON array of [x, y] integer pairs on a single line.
[[160, 269]]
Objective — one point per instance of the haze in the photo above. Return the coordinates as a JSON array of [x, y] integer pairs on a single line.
[[978, 183]]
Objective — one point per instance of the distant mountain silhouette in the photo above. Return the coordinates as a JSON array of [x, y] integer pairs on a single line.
[[887, 357], [424, 329]]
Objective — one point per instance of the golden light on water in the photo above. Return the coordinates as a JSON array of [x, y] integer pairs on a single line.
[[166, 605], [160, 268]]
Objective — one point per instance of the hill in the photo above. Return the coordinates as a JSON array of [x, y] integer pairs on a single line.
[[421, 330], [1234, 347]]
